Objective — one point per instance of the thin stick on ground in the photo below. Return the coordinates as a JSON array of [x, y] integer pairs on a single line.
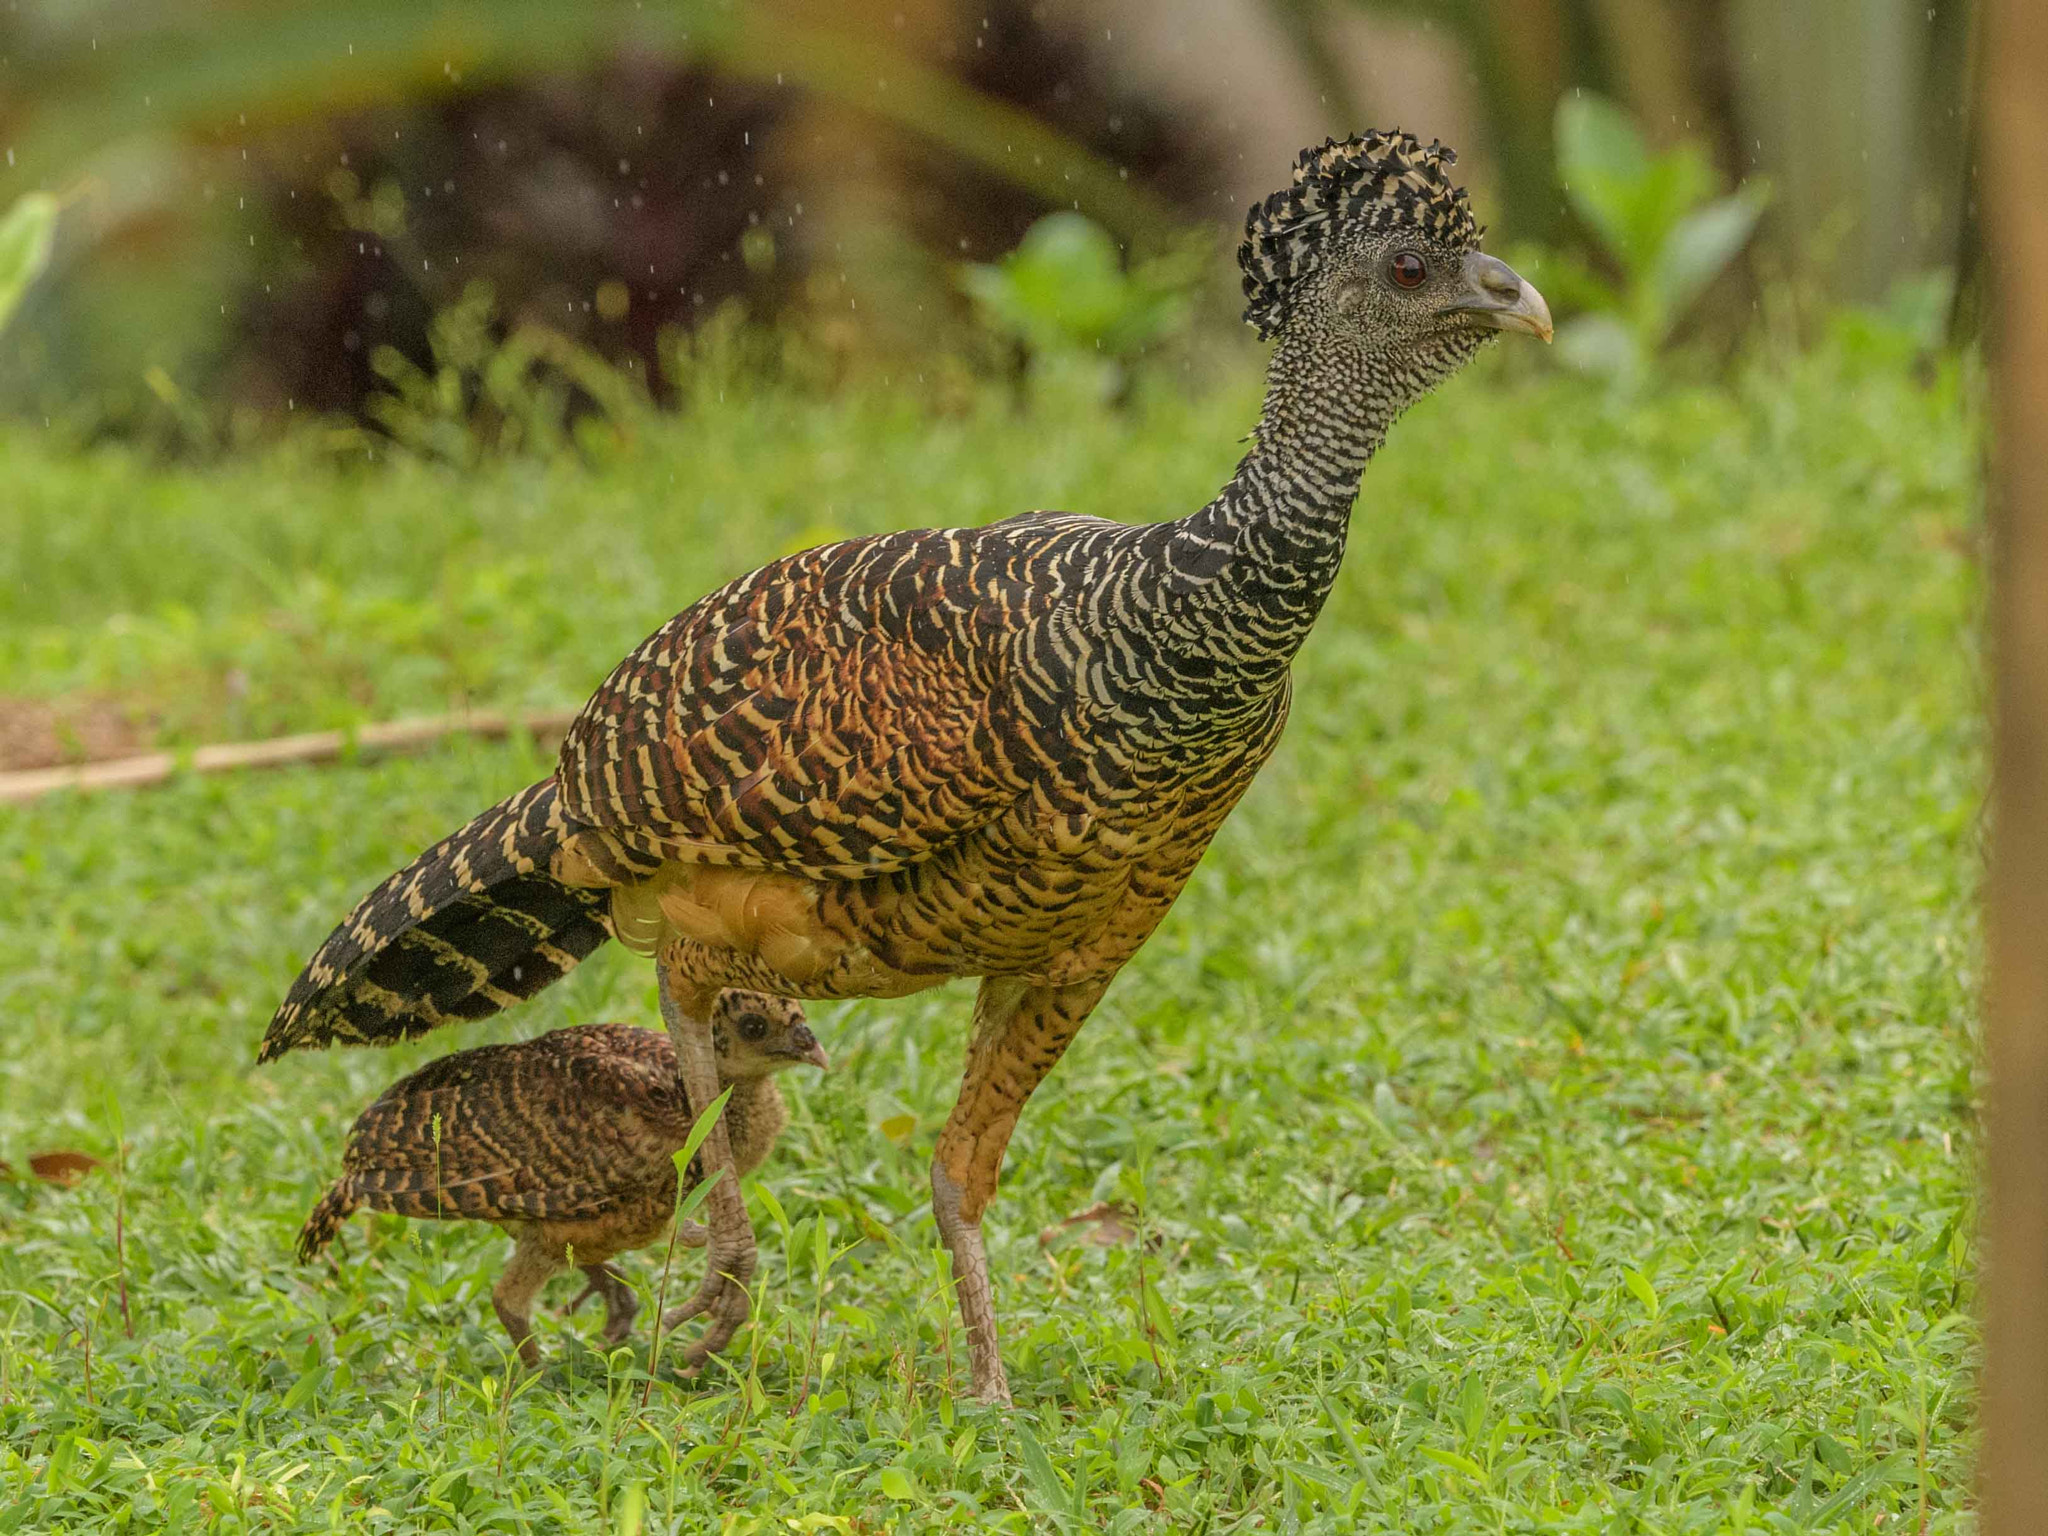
[[120, 1133], [946, 1312], [1144, 1307], [120, 1234], [668, 1260], [85, 1344], [687, 1201], [441, 1375], [742, 1408], [280, 752], [508, 1384]]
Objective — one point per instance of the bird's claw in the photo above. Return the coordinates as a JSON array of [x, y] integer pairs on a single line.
[[721, 1299]]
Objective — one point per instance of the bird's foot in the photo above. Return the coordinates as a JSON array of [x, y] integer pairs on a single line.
[[620, 1311], [724, 1302], [722, 1299], [521, 1333], [962, 1237], [621, 1306]]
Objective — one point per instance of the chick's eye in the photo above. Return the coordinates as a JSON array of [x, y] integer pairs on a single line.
[[1407, 270], [753, 1026]]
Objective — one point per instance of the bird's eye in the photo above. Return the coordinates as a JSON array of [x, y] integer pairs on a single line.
[[1407, 270], [752, 1026]]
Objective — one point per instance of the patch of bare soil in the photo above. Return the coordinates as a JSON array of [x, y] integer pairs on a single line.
[[79, 728]]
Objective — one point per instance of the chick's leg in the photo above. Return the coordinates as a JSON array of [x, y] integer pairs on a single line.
[[620, 1304], [722, 1298], [1020, 1031], [532, 1262]]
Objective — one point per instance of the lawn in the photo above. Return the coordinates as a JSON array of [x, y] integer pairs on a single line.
[[1550, 1107]]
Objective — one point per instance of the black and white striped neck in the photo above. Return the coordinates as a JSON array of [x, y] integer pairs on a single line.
[[1194, 635], [1241, 581]]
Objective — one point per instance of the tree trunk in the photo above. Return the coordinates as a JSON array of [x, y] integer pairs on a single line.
[[2014, 1471]]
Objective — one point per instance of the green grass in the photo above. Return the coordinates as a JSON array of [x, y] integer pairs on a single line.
[[1551, 1105]]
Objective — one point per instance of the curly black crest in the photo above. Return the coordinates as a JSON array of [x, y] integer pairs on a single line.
[[1368, 184]]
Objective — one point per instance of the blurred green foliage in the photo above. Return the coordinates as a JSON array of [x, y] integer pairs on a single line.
[[1065, 295], [1907, 329], [488, 392], [1660, 220]]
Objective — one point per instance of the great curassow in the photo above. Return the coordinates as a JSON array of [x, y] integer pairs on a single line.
[[997, 752], [567, 1141]]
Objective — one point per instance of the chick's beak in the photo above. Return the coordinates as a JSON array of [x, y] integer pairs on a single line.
[[1494, 295], [804, 1047]]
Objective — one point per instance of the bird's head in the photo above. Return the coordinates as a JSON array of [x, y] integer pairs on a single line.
[[756, 1035], [1373, 247]]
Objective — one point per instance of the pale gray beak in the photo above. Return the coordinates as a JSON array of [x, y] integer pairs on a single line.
[[804, 1047], [1494, 295]]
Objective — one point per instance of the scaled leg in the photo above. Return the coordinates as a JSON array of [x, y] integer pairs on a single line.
[[722, 1298], [532, 1262], [1020, 1031]]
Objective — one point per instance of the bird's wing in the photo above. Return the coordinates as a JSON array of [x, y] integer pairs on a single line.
[[568, 1124], [840, 713]]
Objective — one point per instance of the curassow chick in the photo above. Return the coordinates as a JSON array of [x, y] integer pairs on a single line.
[[567, 1142]]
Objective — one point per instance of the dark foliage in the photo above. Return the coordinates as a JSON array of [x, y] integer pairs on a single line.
[[608, 207]]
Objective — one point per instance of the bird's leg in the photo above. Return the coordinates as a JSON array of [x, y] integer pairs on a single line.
[[1020, 1030], [722, 1298], [620, 1304], [532, 1262], [594, 1276]]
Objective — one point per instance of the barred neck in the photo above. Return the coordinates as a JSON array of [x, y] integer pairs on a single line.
[[1244, 578], [755, 1116]]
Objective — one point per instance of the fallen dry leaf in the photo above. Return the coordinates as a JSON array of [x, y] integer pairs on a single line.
[[1102, 1226], [62, 1167]]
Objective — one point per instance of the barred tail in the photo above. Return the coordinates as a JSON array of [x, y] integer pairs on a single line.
[[335, 1207], [473, 925]]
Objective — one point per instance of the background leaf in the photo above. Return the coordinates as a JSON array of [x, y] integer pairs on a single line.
[[27, 235], [1601, 160], [896, 1484], [1052, 1492], [1700, 248], [1602, 345]]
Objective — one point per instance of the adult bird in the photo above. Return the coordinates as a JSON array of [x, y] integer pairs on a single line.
[[996, 752]]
